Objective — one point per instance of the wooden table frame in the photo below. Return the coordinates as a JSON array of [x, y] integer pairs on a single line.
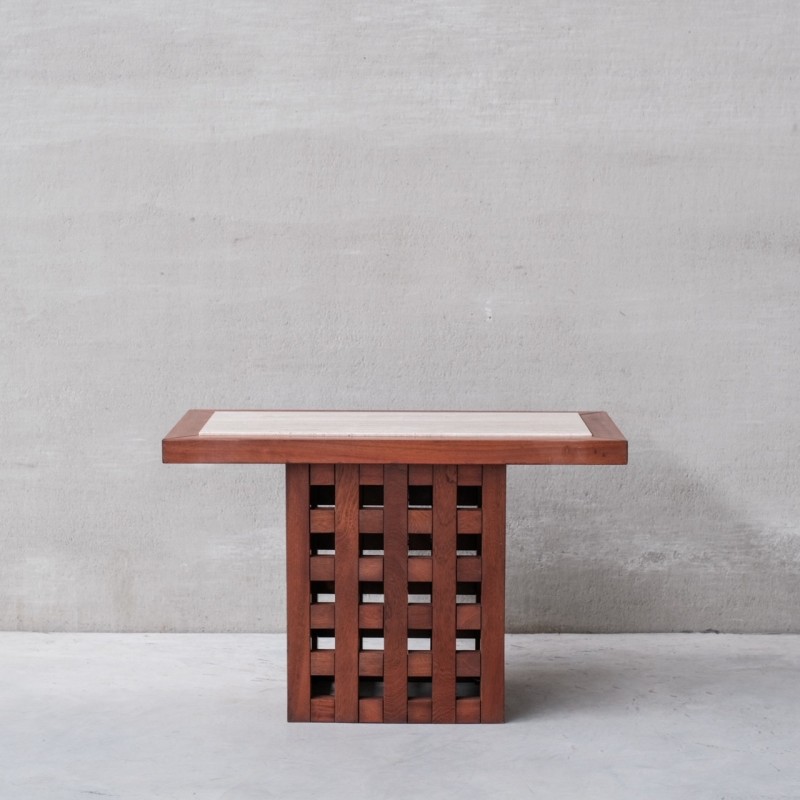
[[393, 542]]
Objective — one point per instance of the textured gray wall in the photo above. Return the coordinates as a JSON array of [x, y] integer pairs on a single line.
[[570, 205]]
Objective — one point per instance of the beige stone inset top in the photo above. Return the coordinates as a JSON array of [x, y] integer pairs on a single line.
[[397, 424]]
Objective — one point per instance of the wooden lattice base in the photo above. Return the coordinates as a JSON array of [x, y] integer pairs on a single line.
[[396, 582]]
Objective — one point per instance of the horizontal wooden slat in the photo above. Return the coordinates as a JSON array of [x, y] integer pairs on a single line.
[[322, 615], [420, 570], [468, 617], [370, 474], [420, 709], [420, 616], [370, 568], [322, 709], [370, 663], [370, 616], [469, 520], [322, 568], [370, 520], [468, 664], [322, 662], [468, 569], [468, 709], [420, 475], [322, 474], [322, 520], [470, 474], [419, 664], [370, 709], [420, 520]]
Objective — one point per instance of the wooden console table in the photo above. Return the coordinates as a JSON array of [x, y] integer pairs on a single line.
[[395, 546]]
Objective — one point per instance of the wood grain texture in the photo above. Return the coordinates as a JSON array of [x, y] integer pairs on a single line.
[[395, 575], [322, 474], [469, 475], [468, 664], [370, 616], [371, 474], [370, 709], [420, 710], [370, 663], [322, 709], [469, 520], [468, 710], [322, 662], [493, 601], [469, 569], [323, 616], [443, 637], [420, 616], [370, 568], [298, 632], [190, 424], [347, 593], [607, 446], [468, 617], [419, 664]]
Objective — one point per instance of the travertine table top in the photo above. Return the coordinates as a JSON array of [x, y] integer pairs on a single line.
[[397, 424]]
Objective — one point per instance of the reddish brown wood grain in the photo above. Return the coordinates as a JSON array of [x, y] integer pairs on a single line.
[[347, 593], [370, 709], [468, 664], [395, 574], [323, 616], [322, 474], [370, 663], [492, 691], [420, 520], [468, 617], [443, 595], [468, 710], [370, 520], [370, 568], [419, 474], [322, 520], [322, 662], [322, 709], [298, 596], [419, 710], [419, 664], [420, 616], [322, 568], [469, 569], [420, 569], [371, 474], [370, 616], [469, 475], [469, 520], [190, 424]]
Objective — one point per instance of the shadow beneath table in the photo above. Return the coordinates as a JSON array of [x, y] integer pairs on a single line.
[[542, 691]]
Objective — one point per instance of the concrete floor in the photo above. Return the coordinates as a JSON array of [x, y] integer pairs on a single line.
[[202, 716]]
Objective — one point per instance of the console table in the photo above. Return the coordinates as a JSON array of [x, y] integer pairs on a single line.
[[395, 546]]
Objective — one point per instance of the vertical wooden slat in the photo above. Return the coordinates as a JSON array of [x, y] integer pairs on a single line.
[[298, 594], [493, 594], [395, 593], [346, 576], [443, 644]]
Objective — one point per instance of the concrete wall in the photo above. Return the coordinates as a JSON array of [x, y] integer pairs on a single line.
[[570, 205]]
